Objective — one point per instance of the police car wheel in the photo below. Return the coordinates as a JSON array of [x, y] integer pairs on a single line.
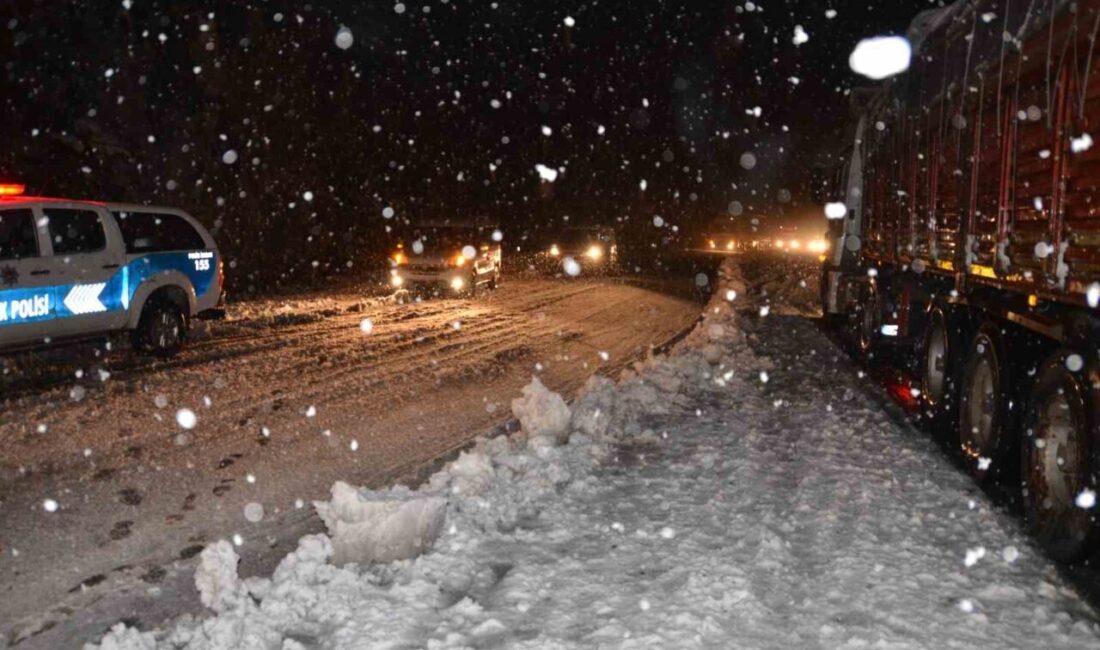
[[161, 330]]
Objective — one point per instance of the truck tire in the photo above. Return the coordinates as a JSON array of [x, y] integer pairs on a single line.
[[939, 374], [161, 329], [1058, 457], [869, 321], [983, 406]]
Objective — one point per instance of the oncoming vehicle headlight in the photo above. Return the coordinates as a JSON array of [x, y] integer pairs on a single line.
[[555, 251], [459, 260], [730, 244], [457, 284], [818, 246], [795, 244], [594, 252], [397, 280], [399, 258], [711, 244]]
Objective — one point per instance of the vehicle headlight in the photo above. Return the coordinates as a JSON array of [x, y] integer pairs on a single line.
[[729, 245], [594, 252], [459, 260], [397, 280], [399, 258], [457, 284], [795, 244], [555, 251], [711, 244], [818, 246]]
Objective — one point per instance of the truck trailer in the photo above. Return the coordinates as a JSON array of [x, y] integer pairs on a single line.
[[968, 241]]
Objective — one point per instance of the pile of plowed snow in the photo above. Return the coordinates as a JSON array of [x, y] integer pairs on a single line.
[[392, 555]]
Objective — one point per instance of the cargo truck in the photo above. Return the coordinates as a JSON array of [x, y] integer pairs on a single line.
[[965, 233]]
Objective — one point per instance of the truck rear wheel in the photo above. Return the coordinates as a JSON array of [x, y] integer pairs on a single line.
[[938, 375], [1057, 459], [983, 405], [161, 329]]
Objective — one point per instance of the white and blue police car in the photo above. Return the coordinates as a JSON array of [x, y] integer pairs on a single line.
[[81, 269]]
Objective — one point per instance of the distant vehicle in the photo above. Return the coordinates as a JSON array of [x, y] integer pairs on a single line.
[[965, 234], [78, 269], [447, 259], [593, 249], [722, 242], [785, 240]]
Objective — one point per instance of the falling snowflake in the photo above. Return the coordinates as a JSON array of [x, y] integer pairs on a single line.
[[344, 38], [186, 418], [881, 57]]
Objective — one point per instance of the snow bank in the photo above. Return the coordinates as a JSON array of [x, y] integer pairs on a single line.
[[368, 526], [542, 413]]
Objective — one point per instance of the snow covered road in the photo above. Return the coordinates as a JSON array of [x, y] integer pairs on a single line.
[[745, 493], [290, 394]]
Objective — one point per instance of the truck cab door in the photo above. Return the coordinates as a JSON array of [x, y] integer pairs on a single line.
[[27, 313], [87, 257]]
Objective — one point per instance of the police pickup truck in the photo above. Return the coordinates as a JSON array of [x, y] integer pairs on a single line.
[[80, 269]]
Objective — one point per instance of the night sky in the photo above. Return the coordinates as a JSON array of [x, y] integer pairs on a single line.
[[438, 109]]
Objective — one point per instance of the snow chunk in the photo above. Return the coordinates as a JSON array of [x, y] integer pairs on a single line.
[[881, 57], [216, 576], [471, 472], [126, 638], [306, 562], [384, 526], [542, 412]]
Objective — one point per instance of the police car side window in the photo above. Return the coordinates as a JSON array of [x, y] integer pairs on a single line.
[[75, 231], [150, 232], [17, 235]]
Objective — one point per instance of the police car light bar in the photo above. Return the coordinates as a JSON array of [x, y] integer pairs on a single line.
[[12, 189]]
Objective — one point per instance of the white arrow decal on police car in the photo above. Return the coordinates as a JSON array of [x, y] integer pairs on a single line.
[[84, 299]]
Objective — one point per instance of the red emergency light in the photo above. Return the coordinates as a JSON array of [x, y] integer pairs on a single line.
[[12, 189]]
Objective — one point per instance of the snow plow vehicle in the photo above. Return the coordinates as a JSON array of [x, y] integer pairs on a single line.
[[447, 259], [72, 270], [965, 231]]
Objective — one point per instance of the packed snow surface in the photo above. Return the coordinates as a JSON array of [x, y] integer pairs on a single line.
[[688, 505]]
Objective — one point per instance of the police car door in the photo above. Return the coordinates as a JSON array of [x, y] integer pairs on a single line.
[[87, 255], [26, 313]]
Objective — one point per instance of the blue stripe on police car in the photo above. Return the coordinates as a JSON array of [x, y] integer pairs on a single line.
[[19, 306]]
